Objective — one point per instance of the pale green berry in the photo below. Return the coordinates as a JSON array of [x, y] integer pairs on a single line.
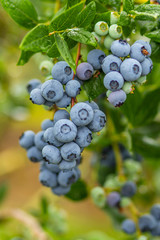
[[115, 31], [142, 238], [97, 37], [127, 87], [132, 167], [142, 79], [108, 42], [114, 18], [101, 28], [112, 182], [108, 93], [46, 67], [48, 78], [125, 202], [98, 196]]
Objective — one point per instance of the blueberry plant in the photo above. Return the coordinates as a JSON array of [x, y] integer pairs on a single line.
[[98, 55]]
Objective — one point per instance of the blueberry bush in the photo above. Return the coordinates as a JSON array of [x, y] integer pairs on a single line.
[[100, 83]]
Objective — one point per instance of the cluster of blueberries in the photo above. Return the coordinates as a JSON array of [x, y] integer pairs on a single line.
[[59, 145], [148, 223]]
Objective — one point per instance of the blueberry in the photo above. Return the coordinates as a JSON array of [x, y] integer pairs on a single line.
[[70, 151], [81, 114], [156, 230], [49, 104], [108, 42], [64, 102], [36, 97], [129, 189], [115, 31], [84, 137], [48, 178], [47, 123], [26, 140], [65, 165], [155, 211], [52, 167], [79, 160], [92, 104], [62, 72], [138, 52], [51, 154], [120, 48], [73, 88], [39, 140], [34, 154], [97, 37], [65, 130], [114, 199], [61, 114], [77, 172], [50, 138], [111, 63], [46, 67], [61, 190], [117, 98], [130, 69], [32, 84], [101, 28], [98, 122], [147, 66], [66, 178], [147, 223], [113, 81], [52, 90], [84, 71], [146, 45], [95, 58], [128, 226]]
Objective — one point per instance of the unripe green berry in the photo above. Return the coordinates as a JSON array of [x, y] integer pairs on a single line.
[[112, 182], [127, 87], [98, 196], [142, 238], [114, 18], [98, 38], [142, 79], [108, 42], [132, 167], [108, 93], [101, 28], [115, 31], [46, 67], [125, 202]]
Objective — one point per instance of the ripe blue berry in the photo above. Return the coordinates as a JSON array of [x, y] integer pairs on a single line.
[[117, 98], [147, 223], [84, 71], [65, 165], [147, 66], [52, 90], [65, 130], [61, 114], [115, 31], [47, 123], [48, 178], [146, 45], [32, 84], [61, 190], [128, 226], [84, 137], [70, 151], [39, 140], [95, 58], [120, 48], [101, 28], [62, 72], [128, 189], [98, 122], [81, 114], [155, 211], [108, 42], [48, 104], [51, 154], [50, 138], [73, 88], [65, 179], [64, 102], [34, 154], [36, 97], [111, 63], [113, 81], [92, 104], [114, 199], [138, 52], [52, 167], [26, 140], [156, 231], [130, 69]]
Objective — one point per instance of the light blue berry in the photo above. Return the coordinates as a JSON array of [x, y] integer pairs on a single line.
[[101, 28], [156, 231], [65, 165], [34, 154], [52, 167], [130, 69], [39, 140], [70, 151], [147, 223], [155, 211], [26, 140], [113, 81], [73, 88], [117, 98], [120, 48], [49, 104], [51, 154], [66, 178], [92, 104], [64, 102], [50, 138], [84, 71], [111, 63], [147, 66], [52, 90], [61, 190], [128, 226], [84, 137], [98, 121], [48, 179], [137, 52], [95, 58], [47, 123], [146, 45], [32, 84], [62, 72], [61, 114], [36, 97]]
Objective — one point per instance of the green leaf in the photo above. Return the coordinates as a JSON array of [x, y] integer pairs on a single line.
[[22, 12], [66, 19], [128, 5], [148, 8], [37, 40], [71, 3], [94, 87], [102, 17], [85, 17], [155, 35], [3, 192], [144, 16], [64, 50], [78, 191], [82, 36], [124, 19], [44, 205], [100, 7], [151, 130], [24, 58], [114, 4]]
